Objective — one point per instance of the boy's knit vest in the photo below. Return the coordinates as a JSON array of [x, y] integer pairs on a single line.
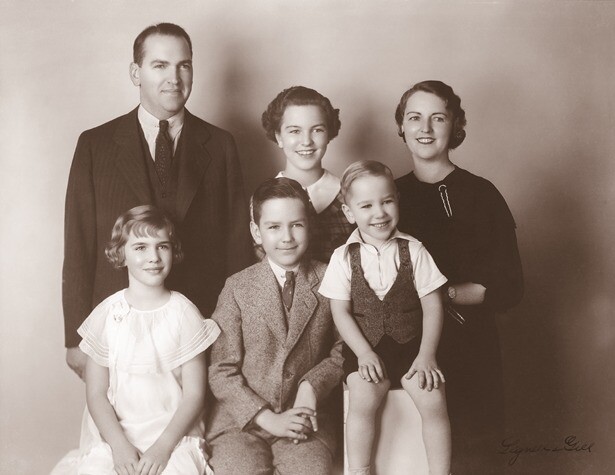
[[399, 314]]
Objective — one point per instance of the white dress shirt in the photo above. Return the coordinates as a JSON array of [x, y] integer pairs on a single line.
[[150, 126], [380, 267]]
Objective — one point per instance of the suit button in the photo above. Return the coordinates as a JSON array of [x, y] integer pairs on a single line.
[[164, 195], [288, 374]]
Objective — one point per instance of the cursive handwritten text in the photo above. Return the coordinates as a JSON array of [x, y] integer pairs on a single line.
[[514, 448]]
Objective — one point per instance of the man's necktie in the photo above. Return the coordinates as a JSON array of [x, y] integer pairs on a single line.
[[288, 290], [164, 152]]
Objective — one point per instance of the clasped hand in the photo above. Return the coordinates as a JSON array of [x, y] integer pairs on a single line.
[[296, 423], [127, 461], [293, 423]]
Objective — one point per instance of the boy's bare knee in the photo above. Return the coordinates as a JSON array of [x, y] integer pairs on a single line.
[[433, 401], [365, 396]]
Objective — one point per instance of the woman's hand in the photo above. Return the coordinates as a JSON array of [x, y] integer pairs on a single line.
[[293, 423], [125, 459], [429, 373], [371, 367], [154, 460]]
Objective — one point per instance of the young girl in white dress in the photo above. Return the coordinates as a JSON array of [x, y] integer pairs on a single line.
[[146, 372]]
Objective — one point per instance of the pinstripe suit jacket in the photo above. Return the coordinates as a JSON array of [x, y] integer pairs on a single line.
[[109, 176], [255, 362]]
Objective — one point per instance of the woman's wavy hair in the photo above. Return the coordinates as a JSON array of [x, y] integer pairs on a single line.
[[453, 105], [145, 220], [299, 96]]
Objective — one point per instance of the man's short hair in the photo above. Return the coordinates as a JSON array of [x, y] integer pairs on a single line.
[[363, 168], [168, 29]]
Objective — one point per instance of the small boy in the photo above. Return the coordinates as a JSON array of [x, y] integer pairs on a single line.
[[386, 304], [278, 357]]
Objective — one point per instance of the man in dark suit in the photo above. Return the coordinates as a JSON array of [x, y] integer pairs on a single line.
[[157, 154]]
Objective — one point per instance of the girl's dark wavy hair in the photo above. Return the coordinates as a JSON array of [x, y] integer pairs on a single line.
[[299, 96]]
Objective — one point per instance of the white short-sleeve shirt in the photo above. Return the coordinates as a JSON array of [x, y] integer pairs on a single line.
[[380, 268]]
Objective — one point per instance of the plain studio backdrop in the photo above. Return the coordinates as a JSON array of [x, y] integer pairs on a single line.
[[536, 81]]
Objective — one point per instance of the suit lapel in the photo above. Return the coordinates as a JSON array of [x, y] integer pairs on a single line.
[[129, 158], [268, 305], [194, 159], [304, 303]]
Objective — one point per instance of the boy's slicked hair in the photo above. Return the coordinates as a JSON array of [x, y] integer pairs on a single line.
[[281, 187], [167, 29], [363, 168], [142, 221]]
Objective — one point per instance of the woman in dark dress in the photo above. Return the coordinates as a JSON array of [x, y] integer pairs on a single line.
[[467, 227]]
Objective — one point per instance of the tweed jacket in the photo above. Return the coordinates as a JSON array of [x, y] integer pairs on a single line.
[[109, 176], [256, 363]]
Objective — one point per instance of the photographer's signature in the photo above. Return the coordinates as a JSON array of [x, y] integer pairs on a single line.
[[514, 448]]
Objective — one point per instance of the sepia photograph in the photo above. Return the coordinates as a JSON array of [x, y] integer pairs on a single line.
[[345, 237]]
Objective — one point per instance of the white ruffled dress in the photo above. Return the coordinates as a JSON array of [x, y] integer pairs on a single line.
[[144, 351]]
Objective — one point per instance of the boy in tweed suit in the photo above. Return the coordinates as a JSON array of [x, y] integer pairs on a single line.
[[278, 357]]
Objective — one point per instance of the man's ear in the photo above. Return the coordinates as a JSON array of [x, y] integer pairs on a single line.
[[348, 214], [256, 233], [134, 72]]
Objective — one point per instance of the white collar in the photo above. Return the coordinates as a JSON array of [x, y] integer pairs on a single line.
[[280, 272], [150, 122], [323, 191], [355, 236]]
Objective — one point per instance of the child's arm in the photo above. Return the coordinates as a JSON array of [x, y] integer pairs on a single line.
[[226, 379], [371, 367], [425, 364], [306, 397], [320, 380], [194, 380], [125, 455]]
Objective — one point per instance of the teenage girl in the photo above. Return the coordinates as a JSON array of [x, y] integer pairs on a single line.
[[302, 122]]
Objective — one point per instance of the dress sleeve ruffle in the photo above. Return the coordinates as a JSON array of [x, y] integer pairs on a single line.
[[195, 336], [93, 331], [161, 340]]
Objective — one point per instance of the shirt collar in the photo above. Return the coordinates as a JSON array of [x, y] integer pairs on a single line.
[[323, 191], [151, 123], [355, 236], [280, 272]]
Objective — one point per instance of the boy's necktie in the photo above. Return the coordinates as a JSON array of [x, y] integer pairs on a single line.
[[164, 152], [288, 290]]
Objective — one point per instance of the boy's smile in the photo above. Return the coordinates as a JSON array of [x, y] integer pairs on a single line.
[[282, 231], [372, 204]]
